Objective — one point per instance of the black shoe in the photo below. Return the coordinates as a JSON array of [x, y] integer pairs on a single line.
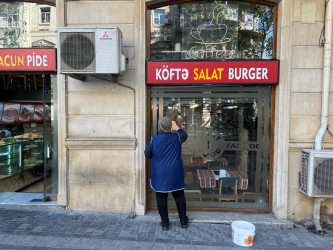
[[184, 222], [165, 225]]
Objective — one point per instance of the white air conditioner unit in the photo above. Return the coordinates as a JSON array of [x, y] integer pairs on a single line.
[[90, 50], [316, 177]]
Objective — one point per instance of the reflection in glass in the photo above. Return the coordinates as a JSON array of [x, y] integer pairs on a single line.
[[212, 30], [26, 25]]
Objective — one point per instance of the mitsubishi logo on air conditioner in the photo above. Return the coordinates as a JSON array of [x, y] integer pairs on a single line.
[[106, 36]]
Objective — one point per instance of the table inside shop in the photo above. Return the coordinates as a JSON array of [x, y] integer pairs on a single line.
[[208, 178], [199, 162]]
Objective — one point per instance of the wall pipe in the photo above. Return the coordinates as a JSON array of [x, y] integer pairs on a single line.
[[325, 100], [326, 75]]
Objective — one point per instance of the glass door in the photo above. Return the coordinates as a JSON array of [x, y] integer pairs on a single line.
[[226, 156], [50, 130]]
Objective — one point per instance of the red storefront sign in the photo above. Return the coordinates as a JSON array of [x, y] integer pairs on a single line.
[[213, 72], [28, 59]]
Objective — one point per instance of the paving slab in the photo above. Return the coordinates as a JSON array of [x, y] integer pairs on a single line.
[[64, 229]]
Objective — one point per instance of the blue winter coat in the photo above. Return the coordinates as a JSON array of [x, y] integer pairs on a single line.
[[167, 173]]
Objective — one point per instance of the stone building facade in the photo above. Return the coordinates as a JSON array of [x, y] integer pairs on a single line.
[[103, 126]]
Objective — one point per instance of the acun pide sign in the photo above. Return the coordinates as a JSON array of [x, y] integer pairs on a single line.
[[27, 59], [219, 72]]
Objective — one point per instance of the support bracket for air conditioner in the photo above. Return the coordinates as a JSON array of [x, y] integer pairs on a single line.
[[106, 77], [78, 77]]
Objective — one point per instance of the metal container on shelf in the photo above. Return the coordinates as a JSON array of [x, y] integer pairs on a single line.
[[21, 163], [10, 159]]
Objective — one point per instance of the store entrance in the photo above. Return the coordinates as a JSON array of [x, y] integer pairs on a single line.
[[227, 154], [28, 144]]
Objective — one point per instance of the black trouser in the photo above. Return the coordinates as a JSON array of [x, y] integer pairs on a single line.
[[162, 204]]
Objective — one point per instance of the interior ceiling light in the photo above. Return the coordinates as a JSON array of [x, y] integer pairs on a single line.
[[230, 107], [194, 105]]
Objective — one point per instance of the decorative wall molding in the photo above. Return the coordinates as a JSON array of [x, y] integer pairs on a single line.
[[42, 43], [100, 143], [298, 146]]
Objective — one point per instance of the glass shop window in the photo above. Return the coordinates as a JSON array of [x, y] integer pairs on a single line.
[[226, 156], [45, 15], [212, 30]]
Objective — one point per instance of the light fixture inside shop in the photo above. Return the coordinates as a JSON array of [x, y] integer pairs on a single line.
[[230, 107], [194, 105]]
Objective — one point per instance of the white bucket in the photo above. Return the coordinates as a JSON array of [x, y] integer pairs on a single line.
[[243, 233]]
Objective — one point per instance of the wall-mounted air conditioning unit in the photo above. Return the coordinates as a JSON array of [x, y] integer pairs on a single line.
[[316, 177], [90, 50]]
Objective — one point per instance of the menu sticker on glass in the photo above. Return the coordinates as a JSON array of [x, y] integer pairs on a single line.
[[48, 112], [26, 112], [38, 114], [10, 113]]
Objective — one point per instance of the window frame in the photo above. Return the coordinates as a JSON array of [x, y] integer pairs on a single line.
[[44, 13], [161, 3]]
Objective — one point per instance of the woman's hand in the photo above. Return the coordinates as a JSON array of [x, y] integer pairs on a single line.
[[174, 126]]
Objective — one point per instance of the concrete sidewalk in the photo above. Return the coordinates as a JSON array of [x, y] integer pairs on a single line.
[[62, 229]]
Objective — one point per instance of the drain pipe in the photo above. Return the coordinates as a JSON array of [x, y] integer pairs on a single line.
[[316, 215], [325, 100]]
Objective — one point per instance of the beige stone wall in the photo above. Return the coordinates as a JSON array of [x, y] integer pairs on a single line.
[[98, 145], [100, 176], [101, 179], [305, 102]]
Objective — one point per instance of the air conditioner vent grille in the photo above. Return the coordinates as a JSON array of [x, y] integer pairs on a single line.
[[77, 51], [323, 176], [305, 171]]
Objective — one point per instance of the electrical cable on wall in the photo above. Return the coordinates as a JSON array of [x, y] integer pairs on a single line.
[[322, 39], [128, 60]]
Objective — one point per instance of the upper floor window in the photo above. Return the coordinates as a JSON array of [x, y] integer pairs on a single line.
[[45, 15]]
